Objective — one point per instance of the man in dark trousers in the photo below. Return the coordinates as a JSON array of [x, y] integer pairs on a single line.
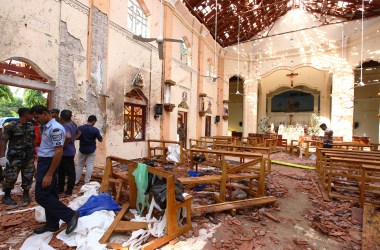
[[67, 166], [21, 138], [49, 157], [87, 148]]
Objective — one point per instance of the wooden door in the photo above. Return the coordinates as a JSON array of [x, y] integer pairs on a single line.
[[208, 126]]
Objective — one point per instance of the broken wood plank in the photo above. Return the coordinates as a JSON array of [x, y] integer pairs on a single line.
[[325, 195], [127, 226], [271, 216], [371, 227], [116, 221], [234, 204], [315, 185]]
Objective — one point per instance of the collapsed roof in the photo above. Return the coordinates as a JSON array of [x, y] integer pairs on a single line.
[[256, 15]]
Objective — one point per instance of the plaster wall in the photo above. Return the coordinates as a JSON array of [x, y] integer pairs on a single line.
[[28, 29]]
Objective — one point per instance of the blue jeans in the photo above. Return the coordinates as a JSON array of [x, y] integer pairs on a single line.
[[48, 197]]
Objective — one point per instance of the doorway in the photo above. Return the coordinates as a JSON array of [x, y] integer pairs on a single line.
[[182, 119], [208, 126], [235, 105], [367, 102]]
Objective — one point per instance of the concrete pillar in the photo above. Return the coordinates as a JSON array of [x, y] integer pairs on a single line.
[[250, 106], [168, 130], [201, 58], [342, 104], [220, 96]]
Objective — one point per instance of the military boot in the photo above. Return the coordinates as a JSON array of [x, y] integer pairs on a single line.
[[25, 197], [7, 199]]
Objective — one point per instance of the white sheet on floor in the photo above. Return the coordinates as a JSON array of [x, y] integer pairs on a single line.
[[89, 231], [38, 242]]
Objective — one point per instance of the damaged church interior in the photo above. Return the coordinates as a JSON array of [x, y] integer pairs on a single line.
[[190, 124]]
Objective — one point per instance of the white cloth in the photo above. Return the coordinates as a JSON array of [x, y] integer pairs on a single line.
[[174, 153], [85, 160], [38, 242], [89, 231]]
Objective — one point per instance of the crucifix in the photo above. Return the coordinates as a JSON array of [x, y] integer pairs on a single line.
[[292, 75]]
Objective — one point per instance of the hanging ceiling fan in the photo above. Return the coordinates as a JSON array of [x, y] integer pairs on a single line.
[[214, 76], [160, 39]]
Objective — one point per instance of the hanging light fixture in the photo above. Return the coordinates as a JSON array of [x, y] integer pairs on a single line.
[[361, 83]]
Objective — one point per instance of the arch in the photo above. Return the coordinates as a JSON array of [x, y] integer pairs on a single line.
[[292, 69], [137, 94], [25, 68]]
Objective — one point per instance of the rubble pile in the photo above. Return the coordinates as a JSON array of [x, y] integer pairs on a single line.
[[338, 219]]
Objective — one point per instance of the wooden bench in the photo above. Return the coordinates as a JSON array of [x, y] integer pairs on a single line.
[[265, 151], [158, 149], [346, 174], [194, 143], [323, 155], [173, 229], [370, 182], [229, 171]]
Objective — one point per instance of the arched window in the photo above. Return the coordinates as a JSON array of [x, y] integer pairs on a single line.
[[137, 20], [184, 53], [134, 116]]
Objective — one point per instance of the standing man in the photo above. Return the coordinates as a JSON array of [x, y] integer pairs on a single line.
[[21, 138], [328, 137], [67, 166], [55, 114], [87, 148], [49, 157]]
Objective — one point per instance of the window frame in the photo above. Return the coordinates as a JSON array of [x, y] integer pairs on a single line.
[[133, 18], [143, 116]]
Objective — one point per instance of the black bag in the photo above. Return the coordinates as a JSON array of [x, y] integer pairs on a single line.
[[157, 187]]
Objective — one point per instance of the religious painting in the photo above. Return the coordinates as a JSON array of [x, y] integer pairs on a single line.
[[293, 101]]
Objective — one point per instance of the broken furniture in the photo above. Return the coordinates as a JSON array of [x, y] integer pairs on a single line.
[[121, 225], [245, 167], [158, 149], [265, 151], [112, 181]]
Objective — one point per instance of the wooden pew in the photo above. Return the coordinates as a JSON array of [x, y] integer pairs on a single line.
[[173, 230], [323, 155], [265, 151], [158, 149], [194, 143], [370, 182], [229, 171], [349, 172]]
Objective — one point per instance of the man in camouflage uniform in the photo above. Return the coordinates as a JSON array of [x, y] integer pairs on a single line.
[[21, 139]]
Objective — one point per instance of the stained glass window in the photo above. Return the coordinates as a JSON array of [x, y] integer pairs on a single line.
[[134, 122], [137, 21]]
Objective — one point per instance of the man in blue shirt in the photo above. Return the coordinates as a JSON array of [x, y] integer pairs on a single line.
[[67, 166], [87, 148], [49, 157]]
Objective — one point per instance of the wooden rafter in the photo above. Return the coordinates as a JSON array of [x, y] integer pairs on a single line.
[[259, 15]]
